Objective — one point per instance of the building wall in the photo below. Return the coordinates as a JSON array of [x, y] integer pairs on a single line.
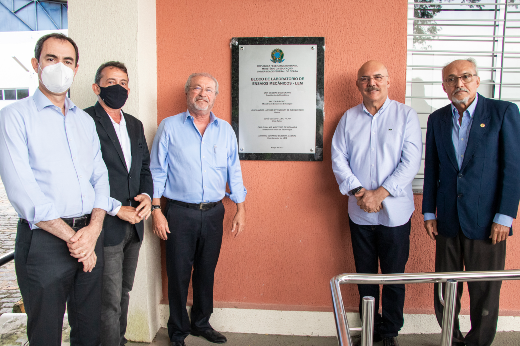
[[297, 235]]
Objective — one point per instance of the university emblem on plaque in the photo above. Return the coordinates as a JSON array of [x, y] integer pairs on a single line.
[[277, 56]]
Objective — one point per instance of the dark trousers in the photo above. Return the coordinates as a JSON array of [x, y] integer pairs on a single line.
[[455, 254], [49, 277], [390, 246], [118, 280], [194, 242]]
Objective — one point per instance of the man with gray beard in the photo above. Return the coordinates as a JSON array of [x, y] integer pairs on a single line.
[[194, 155], [471, 192]]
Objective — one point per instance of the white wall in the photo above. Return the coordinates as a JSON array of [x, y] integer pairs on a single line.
[[124, 30]]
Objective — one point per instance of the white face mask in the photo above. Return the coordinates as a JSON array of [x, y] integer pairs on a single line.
[[57, 78]]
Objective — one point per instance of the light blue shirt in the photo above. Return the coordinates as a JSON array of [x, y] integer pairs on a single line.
[[191, 168], [51, 164], [380, 150], [459, 137]]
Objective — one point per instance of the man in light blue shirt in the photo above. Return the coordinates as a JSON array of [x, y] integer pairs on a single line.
[[376, 153], [194, 155], [55, 178]]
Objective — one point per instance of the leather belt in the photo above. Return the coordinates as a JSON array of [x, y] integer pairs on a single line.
[[196, 206], [74, 222]]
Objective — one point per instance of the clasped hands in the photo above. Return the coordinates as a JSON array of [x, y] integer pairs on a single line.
[[82, 244], [371, 201]]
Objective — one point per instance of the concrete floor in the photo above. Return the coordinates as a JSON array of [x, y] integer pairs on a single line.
[[235, 339]]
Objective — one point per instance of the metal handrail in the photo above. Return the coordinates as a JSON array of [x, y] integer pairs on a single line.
[[6, 258], [451, 278]]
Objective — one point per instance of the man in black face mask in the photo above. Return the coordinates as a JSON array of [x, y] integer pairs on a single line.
[[126, 155]]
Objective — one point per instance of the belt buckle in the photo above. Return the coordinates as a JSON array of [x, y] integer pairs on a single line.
[[79, 219]]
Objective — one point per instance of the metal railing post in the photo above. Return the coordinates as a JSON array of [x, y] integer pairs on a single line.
[[449, 312], [339, 314], [368, 308]]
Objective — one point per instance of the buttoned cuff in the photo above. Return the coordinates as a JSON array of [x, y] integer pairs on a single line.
[[429, 216], [144, 193], [349, 184], [394, 189], [503, 220]]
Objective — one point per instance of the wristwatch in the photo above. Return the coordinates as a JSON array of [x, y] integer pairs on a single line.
[[155, 207], [350, 193]]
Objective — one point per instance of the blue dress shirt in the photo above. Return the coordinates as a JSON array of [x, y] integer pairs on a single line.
[[191, 168], [380, 150], [459, 137], [51, 164]]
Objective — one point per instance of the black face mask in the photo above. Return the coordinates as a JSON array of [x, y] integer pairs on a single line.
[[114, 96]]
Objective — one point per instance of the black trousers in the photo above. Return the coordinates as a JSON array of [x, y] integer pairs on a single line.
[[390, 246], [49, 277], [455, 254], [194, 242]]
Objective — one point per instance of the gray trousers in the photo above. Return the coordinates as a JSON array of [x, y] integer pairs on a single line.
[[459, 253], [118, 279]]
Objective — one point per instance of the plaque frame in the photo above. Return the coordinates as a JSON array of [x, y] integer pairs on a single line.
[[235, 87]]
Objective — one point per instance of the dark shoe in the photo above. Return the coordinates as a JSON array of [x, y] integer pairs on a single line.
[[178, 343], [457, 343], [356, 339], [390, 341], [211, 335]]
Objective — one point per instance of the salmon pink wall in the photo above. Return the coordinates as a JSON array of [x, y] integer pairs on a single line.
[[297, 236]]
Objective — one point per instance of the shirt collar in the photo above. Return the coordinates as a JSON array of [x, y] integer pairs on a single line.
[[41, 101], [470, 109], [122, 122], [212, 117], [380, 111]]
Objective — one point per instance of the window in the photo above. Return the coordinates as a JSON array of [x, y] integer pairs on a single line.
[[440, 31], [13, 94]]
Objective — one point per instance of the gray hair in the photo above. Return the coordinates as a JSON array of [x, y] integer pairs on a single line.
[[200, 74], [471, 60]]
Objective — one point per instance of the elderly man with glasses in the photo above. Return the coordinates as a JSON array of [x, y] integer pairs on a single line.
[[376, 153], [471, 191]]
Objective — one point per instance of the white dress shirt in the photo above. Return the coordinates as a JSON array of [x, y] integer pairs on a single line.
[[378, 150]]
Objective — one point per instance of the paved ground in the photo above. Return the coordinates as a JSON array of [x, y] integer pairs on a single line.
[[9, 292], [234, 339]]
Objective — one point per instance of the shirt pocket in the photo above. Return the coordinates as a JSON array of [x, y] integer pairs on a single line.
[[219, 156]]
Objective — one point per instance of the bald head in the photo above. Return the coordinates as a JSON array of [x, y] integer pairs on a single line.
[[370, 66], [373, 83]]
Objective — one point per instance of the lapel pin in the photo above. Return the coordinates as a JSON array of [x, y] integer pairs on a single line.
[[482, 125]]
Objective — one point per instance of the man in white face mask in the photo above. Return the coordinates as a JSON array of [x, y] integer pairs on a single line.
[[52, 167]]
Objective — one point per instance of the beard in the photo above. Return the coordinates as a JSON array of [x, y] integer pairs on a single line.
[[463, 101], [193, 103]]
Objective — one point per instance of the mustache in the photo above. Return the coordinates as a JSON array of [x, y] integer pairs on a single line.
[[460, 89], [371, 88], [201, 98]]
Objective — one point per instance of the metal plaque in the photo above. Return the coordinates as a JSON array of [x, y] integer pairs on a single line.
[[277, 98]]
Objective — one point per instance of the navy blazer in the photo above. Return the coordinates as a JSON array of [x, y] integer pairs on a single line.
[[488, 181], [124, 184]]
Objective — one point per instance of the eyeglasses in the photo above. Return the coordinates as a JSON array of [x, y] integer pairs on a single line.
[[365, 79], [198, 89], [454, 80]]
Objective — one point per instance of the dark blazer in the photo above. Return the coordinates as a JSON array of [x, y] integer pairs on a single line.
[[124, 184], [489, 179]]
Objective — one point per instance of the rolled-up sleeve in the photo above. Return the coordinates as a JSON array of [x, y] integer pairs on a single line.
[[410, 162], [234, 172], [340, 160], [21, 186], [159, 160]]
